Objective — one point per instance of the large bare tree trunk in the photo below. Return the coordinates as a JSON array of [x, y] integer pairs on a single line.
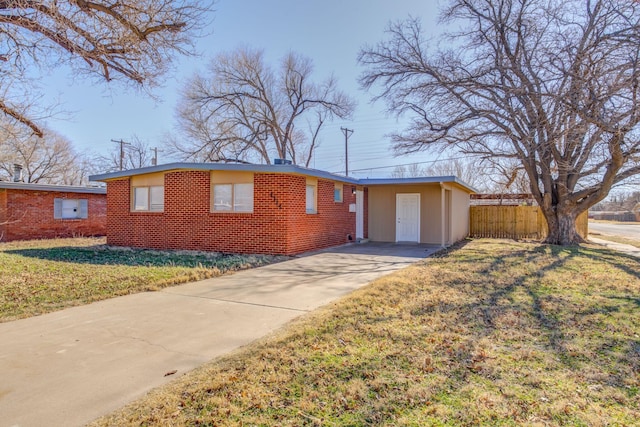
[[561, 226]]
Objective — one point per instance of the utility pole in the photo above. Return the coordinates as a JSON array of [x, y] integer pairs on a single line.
[[122, 144], [154, 160], [347, 134]]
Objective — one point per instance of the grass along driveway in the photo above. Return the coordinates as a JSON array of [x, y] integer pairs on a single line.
[[41, 276], [616, 239], [490, 333]]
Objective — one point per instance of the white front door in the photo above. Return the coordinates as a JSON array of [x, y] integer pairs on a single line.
[[359, 214], [408, 218]]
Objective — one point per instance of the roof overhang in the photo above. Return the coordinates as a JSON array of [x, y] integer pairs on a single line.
[[419, 180], [51, 188], [285, 169]]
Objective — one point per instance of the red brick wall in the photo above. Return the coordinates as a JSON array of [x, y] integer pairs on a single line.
[[28, 214], [330, 226], [140, 229], [278, 224]]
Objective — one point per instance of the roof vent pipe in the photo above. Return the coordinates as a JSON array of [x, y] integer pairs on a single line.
[[17, 172]]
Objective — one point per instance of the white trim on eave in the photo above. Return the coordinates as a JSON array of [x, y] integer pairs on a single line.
[[285, 169], [51, 188], [418, 180]]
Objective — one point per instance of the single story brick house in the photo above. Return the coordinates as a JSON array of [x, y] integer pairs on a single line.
[[42, 211], [277, 209]]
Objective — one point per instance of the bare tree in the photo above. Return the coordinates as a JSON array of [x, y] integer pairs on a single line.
[[79, 173], [554, 85], [245, 109], [506, 176], [136, 154], [488, 175], [467, 171], [412, 170], [619, 202], [47, 160], [131, 41], [399, 172]]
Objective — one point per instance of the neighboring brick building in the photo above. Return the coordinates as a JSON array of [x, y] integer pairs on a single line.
[[38, 211], [278, 209]]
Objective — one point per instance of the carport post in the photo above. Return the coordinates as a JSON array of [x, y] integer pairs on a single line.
[[442, 214]]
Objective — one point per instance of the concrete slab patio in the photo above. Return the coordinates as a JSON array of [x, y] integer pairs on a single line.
[[70, 367]]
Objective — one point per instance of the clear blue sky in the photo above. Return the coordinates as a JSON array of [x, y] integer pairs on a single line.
[[330, 32]]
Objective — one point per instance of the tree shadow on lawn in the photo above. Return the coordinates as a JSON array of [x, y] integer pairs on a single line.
[[474, 335], [546, 305], [103, 255], [635, 300], [588, 327]]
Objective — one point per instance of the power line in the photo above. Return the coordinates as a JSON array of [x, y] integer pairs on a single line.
[[407, 164]]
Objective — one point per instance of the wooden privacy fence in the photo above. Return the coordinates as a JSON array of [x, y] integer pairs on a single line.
[[514, 222]]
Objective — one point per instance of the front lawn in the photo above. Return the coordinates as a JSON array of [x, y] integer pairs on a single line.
[[490, 333], [41, 276]]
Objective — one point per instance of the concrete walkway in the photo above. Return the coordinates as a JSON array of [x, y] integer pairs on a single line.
[[70, 367], [620, 247]]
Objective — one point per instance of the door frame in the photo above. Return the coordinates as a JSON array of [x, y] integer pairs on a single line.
[[359, 214], [398, 197]]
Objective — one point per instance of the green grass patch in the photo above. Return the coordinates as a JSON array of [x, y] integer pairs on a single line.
[[493, 333], [47, 275]]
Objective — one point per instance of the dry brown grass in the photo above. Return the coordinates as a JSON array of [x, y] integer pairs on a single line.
[[491, 333], [41, 276]]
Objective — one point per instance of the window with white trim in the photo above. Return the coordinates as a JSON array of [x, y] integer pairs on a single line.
[[312, 197], [233, 197], [70, 208], [148, 199], [337, 193]]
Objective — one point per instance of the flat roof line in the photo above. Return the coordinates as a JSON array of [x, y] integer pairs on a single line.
[[287, 169], [51, 187]]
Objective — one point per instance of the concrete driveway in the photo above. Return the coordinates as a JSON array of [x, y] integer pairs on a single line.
[[70, 367]]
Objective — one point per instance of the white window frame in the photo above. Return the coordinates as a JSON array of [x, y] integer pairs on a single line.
[[338, 193], [140, 199], [225, 202], [238, 199], [74, 209], [143, 199], [156, 202], [311, 197], [235, 202]]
